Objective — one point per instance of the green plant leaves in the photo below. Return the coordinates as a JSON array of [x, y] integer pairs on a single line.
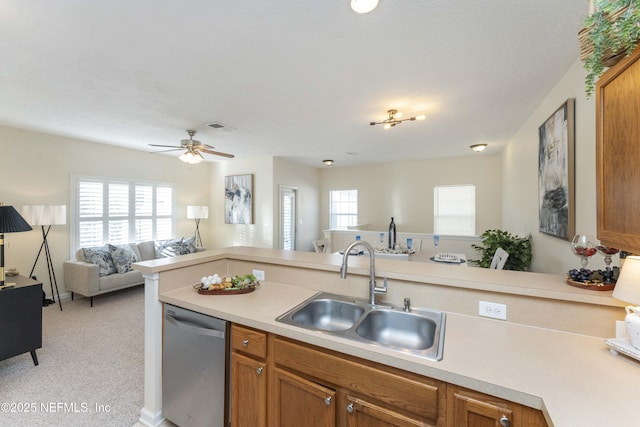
[[519, 249], [610, 36]]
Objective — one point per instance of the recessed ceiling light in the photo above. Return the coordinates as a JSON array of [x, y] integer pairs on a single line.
[[327, 162], [478, 147], [363, 6]]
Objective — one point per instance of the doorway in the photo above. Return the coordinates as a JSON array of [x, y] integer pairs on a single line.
[[288, 218]]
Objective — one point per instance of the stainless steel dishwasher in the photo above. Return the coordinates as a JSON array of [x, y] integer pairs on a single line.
[[195, 368]]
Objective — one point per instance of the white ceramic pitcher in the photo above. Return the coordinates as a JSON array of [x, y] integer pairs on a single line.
[[632, 323]]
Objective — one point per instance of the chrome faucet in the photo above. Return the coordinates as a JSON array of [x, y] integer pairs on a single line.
[[373, 289]]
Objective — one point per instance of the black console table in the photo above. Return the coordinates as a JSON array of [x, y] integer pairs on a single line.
[[20, 318]]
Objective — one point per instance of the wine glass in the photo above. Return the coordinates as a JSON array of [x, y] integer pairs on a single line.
[[436, 242], [607, 252], [583, 246]]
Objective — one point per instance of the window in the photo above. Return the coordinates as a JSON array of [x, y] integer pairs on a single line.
[[120, 211], [454, 210], [343, 209]]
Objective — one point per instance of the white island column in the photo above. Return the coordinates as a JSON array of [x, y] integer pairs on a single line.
[[151, 414]]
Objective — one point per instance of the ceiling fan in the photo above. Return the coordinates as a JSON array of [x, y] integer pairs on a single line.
[[193, 149]]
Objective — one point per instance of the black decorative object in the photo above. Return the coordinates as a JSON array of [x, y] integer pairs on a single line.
[[10, 222], [392, 234]]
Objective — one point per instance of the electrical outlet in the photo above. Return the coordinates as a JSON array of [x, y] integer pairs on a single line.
[[493, 310], [259, 274]]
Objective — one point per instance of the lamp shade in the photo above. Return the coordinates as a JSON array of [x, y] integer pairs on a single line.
[[11, 221], [45, 214], [197, 212], [628, 284]]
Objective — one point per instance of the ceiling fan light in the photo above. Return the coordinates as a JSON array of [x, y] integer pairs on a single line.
[[191, 158], [478, 147], [421, 117], [388, 126], [363, 6]]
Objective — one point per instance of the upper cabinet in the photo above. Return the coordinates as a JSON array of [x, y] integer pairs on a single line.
[[618, 154]]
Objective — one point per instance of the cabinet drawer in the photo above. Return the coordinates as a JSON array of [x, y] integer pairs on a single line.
[[249, 341], [403, 390]]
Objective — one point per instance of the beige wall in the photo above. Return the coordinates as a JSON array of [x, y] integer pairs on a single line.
[[261, 232], [306, 180], [520, 179], [37, 169], [404, 190]]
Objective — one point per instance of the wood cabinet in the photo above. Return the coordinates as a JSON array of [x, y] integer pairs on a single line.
[[617, 154], [468, 408], [249, 377], [280, 382], [366, 393], [299, 402]]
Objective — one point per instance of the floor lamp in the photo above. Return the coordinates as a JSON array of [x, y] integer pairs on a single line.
[[197, 213], [45, 216], [10, 222]]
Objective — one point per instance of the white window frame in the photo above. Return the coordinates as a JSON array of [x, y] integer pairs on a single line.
[[131, 217], [347, 209], [454, 210]]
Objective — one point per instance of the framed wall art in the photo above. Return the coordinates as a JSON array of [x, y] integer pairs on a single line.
[[238, 191], [556, 173]]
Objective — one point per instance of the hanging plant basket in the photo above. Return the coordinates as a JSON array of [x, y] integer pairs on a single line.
[[610, 33], [609, 57]]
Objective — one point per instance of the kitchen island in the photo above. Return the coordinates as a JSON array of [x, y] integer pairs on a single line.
[[549, 355]]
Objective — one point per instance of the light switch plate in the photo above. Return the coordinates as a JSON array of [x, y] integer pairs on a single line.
[[259, 274]]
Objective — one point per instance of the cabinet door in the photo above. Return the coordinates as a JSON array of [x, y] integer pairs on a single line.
[[248, 392], [617, 153], [361, 413], [471, 409], [299, 402]]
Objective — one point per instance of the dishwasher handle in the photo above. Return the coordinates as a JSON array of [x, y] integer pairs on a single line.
[[192, 328]]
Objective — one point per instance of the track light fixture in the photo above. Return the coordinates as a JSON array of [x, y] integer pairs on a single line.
[[395, 118]]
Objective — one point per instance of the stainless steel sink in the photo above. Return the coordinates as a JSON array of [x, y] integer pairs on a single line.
[[398, 329], [419, 331], [327, 315]]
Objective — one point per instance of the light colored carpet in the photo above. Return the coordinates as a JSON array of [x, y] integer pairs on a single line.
[[91, 370]]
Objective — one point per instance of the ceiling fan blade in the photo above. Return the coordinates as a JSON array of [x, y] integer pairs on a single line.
[[217, 153], [167, 146], [164, 151]]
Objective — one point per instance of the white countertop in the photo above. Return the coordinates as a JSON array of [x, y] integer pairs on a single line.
[[573, 378]]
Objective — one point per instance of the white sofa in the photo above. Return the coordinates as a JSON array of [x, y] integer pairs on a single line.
[[91, 274]]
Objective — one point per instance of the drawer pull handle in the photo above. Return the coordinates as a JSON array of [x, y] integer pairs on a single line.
[[245, 343], [350, 408], [259, 370], [504, 421], [327, 400]]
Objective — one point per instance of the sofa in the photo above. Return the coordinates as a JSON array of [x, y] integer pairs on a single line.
[[102, 269]]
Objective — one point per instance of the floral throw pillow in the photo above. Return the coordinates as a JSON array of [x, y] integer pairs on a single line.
[[101, 256], [168, 248], [122, 256], [188, 245]]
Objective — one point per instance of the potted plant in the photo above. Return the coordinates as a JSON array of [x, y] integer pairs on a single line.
[[518, 248], [610, 32]]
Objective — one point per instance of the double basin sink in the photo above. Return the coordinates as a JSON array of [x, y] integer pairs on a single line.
[[418, 331]]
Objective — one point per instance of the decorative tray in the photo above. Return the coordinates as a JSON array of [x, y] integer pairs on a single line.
[[226, 291], [623, 345], [448, 261], [591, 286]]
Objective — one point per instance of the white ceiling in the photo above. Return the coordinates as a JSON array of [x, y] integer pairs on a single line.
[[295, 79]]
